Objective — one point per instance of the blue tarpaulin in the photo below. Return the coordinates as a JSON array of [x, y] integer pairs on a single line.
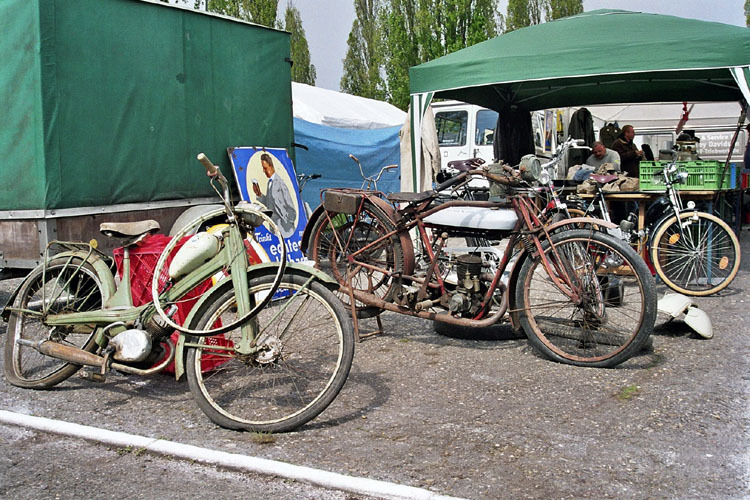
[[328, 155]]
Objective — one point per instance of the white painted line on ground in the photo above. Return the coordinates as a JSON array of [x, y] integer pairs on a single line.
[[317, 477]]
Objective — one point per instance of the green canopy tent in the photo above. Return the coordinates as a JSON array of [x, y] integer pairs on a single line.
[[598, 57]]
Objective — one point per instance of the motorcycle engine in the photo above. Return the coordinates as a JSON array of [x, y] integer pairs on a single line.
[[466, 299]]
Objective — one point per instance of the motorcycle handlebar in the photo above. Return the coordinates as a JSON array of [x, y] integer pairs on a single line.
[[211, 169], [450, 182]]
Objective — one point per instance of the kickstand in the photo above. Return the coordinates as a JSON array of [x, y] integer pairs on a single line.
[[355, 320]]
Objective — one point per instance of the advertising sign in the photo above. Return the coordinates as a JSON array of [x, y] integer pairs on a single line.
[[266, 176]]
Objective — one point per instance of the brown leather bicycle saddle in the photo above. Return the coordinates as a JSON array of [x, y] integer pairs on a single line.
[[466, 165], [603, 179], [410, 197]]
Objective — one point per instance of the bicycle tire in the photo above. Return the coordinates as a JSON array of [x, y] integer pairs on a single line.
[[294, 378], [611, 323], [702, 260], [66, 288], [332, 240]]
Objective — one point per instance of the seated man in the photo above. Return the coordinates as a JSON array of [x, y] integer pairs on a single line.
[[600, 155]]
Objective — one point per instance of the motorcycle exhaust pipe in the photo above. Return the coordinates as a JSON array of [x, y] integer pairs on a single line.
[[64, 352]]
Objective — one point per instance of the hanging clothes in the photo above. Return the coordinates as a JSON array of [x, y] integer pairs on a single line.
[[581, 127], [514, 137]]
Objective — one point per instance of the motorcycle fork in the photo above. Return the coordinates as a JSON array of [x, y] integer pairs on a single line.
[[531, 241]]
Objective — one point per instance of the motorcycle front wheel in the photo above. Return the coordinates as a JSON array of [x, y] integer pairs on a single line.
[[616, 309], [297, 365]]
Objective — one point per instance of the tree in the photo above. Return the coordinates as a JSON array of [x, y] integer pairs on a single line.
[[747, 13], [415, 31], [363, 60], [557, 9], [256, 11], [303, 71], [518, 15]]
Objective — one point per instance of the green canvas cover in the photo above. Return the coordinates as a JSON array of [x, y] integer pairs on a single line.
[[598, 57], [109, 101]]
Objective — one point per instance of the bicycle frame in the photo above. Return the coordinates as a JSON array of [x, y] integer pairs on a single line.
[[118, 311]]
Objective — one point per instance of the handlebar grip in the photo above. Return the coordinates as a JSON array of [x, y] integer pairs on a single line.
[[210, 167], [453, 180], [353, 157], [315, 176], [580, 142]]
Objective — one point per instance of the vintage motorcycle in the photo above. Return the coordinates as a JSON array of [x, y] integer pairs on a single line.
[[581, 296], [280, 343]]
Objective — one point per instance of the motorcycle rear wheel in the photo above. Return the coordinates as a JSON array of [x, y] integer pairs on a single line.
[[63, 287]]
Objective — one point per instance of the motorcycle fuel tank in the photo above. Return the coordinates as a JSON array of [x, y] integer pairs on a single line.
[[197, 250], [481, 218]]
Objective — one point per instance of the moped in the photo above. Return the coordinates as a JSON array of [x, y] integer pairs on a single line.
[[281, 344]]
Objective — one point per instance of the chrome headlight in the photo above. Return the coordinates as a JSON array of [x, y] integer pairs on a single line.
[[681, 178], [530, 167]]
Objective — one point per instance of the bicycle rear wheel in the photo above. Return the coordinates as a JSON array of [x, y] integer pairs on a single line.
[[64, 287], [617, 307], [303, 357], [698, 254], [339, 235]]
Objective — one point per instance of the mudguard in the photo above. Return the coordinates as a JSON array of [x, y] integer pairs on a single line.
[[523, 255], [253, 271], [406, 244], [307, 233], [97, 262]]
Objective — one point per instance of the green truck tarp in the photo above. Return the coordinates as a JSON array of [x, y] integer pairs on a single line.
[[598, 57], [109, 101]]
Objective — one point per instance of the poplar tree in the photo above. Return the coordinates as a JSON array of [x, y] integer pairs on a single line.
[[557, 9], [363, 61], [303, 71], [256, 11], [416, 31]]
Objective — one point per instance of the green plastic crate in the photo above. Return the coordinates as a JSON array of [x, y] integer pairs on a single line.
[[702, 176]]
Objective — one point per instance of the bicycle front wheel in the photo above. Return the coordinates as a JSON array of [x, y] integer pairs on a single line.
[[291, 372], [697, 254], [616, 306], [65, 286]]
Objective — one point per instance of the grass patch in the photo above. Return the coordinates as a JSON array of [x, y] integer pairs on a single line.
[[262, 438], [628, 393]]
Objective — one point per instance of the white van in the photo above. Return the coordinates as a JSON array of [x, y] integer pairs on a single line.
[[467, 131]]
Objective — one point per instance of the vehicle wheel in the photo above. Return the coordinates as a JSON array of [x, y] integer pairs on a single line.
[[299, 364], [64, 287], [332, 240], [603, 328], [700, 259]]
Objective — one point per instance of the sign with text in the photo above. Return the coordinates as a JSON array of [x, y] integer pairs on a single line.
[[266, 176]]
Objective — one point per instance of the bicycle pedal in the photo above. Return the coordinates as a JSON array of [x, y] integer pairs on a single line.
[[92, 376]]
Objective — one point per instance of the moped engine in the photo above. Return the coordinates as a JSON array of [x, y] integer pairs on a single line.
[[466, 299]]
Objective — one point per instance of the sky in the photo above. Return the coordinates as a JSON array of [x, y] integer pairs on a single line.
[[327, 24]]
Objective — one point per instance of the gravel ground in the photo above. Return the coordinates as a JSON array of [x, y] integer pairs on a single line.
[[462, 417]]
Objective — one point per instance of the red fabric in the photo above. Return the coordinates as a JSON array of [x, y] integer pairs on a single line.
[[143, 260]]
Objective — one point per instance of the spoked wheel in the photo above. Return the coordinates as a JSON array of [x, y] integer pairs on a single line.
[[616, 309], [290, 374], [343, 234], [64, 287], [699, 255]]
